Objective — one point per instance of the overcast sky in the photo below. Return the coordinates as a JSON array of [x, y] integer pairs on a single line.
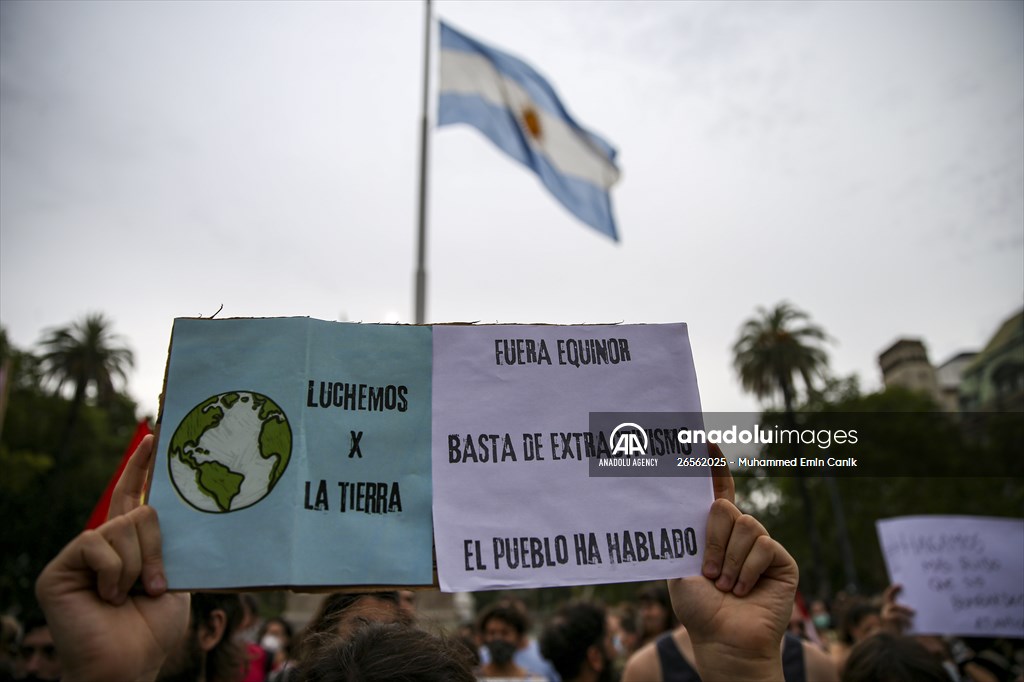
[[864, 161]]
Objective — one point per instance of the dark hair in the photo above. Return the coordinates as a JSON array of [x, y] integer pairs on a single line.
[[325, 621], [508, 612], [336, 604], [854, 612], [10, 634], [250, 603], [628, 619], [33, 618], [225, 659], [892, 658], [389, 653], [658, 593], [573, 630]]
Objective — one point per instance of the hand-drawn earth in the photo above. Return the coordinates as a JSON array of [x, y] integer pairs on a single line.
[[230, 451]]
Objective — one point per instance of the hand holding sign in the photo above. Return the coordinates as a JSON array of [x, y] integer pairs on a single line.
[[960, 574], [102, 629], [737, 611], [474, 441], [131, 485], [896, 618]]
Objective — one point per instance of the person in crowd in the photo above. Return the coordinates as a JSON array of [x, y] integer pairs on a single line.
[[962, 659], [210, 651], [104, 628], [108, 630], [820, 615], [656, 614], [407, 601], [578, 643], [797, 625], [503, 631], [10, 635], [256, 661], [341, 614], [36, 657], [886, 657], [742, 565], [860, 618], [623, 626], [527, 654], [893, 617], [986, 659], [671, 658], [338, 618], [466, 635], [275, 637], [390, 652]]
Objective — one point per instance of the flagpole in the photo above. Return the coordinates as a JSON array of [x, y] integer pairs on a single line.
[[421, 248]]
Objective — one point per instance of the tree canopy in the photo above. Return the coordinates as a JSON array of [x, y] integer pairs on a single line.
[[86, 354], [774, 348], [50, 497]]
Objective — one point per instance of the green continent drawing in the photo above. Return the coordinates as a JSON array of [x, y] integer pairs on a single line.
[[230, 451]]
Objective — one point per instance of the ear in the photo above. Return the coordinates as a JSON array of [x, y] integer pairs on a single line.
[[595, 658], [212, 630]]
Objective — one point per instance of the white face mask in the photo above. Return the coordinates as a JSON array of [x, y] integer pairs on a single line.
[[271, 643]]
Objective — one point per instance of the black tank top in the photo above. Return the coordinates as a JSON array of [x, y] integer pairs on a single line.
[[675, 668]]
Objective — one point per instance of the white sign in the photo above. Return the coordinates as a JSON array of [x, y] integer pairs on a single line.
[[516, 504], [963, 575]]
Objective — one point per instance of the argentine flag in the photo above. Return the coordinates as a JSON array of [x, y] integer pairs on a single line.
[[519, 111]]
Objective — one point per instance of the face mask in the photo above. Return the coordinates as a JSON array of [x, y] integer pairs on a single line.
[[620, 648], [271, 643], [501, 651], [822, 621]]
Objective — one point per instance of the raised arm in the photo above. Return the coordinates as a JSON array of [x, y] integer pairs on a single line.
[[131, 485], [104, 628], [736, 611], [896, 618]]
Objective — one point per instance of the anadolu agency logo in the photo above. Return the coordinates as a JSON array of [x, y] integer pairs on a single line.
[[628, 439], [625, 448]]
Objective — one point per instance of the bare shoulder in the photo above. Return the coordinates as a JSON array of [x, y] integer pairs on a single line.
[[643, 665], [818, 664]]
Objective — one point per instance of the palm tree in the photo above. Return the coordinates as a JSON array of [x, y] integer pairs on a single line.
[[81, 356], [774, 349]]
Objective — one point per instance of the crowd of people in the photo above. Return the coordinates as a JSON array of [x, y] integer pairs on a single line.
[[106, 615]]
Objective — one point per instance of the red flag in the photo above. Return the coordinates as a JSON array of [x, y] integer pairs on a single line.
[[99, 512], [810, 632]]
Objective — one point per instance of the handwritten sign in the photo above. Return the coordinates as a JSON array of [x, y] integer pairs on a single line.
[[515, 505], [295, 452], [963, 575], [301, 453]]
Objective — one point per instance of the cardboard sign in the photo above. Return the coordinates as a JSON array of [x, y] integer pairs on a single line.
[[515, 505], [963, 575], [301, 453], [295, 452]]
